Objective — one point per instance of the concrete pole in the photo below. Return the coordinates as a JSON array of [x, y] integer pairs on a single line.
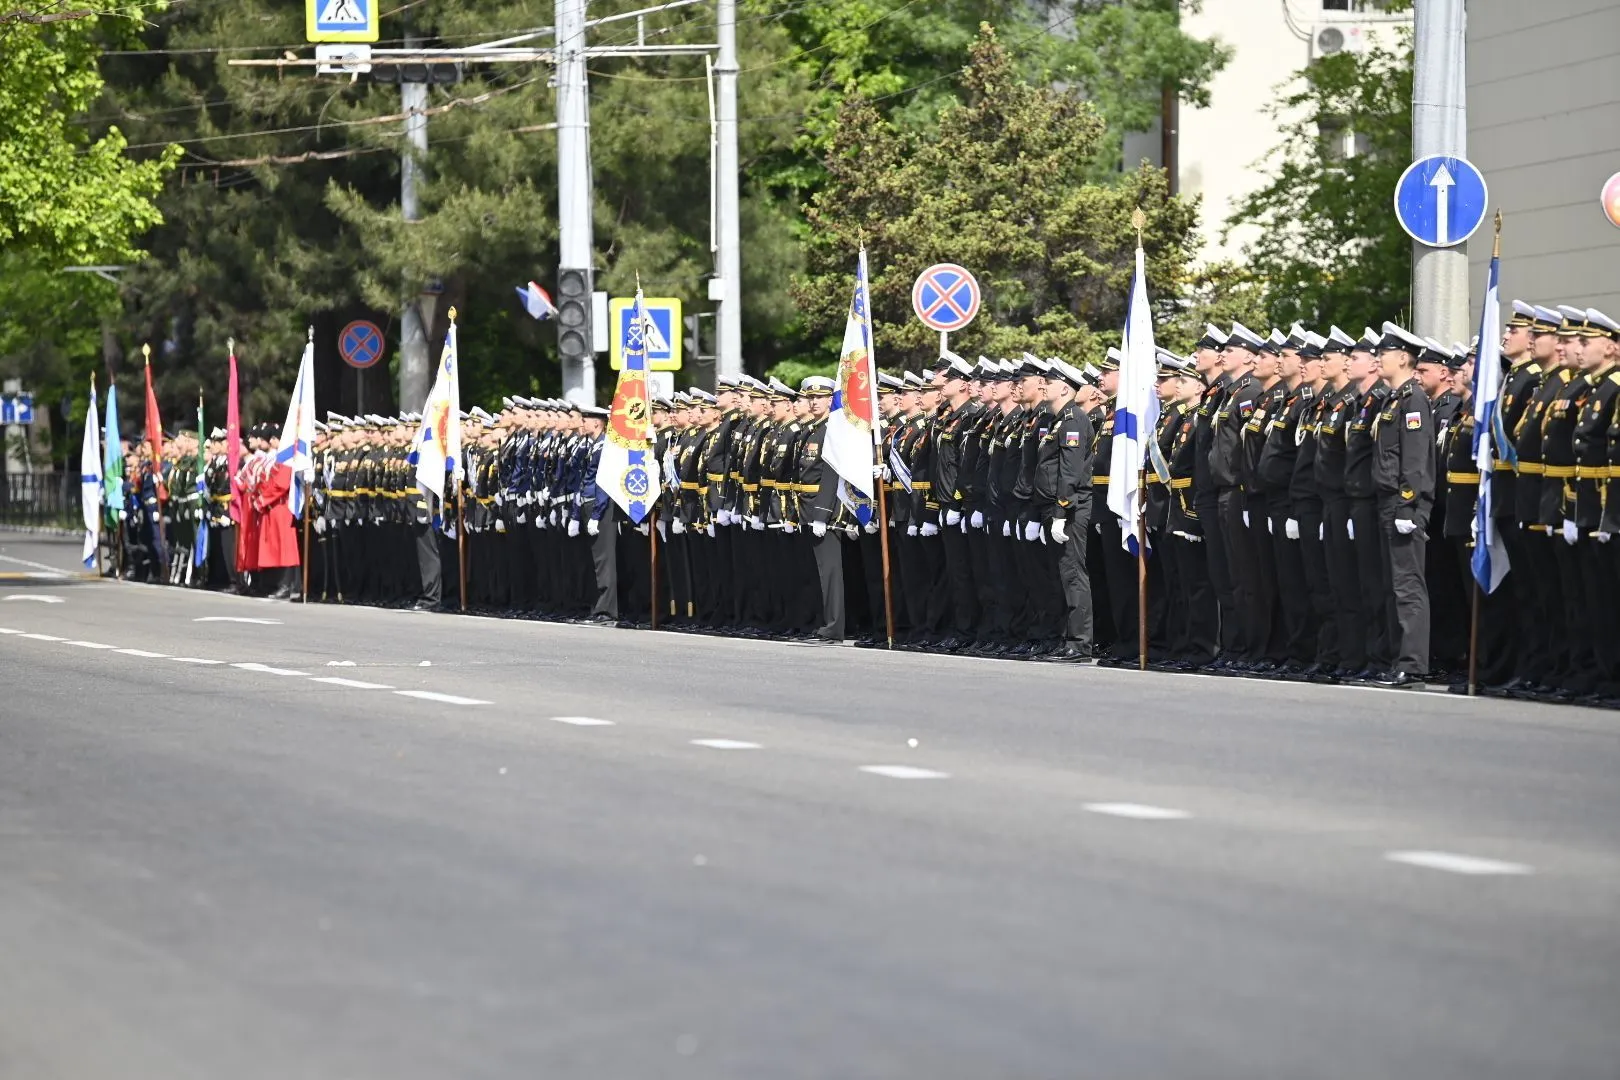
[[726, 287], [1439, 126], [415, 360], [574, 200]]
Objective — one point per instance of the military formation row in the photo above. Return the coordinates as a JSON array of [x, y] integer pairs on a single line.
[[1311, 512]]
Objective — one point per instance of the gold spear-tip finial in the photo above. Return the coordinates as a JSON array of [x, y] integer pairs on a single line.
[[146, 351], [1138, 222], [230, 345], [311, 332], [1496, 245], [638, 280], [452, 313]]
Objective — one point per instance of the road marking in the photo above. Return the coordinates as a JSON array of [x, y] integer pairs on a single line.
[[448, 699], [42, 637], [726, 744], [57, 570], [1456, 864], [583, 721], [267, 670], [36, 599], [143, 653], [193, 660], [1137, 811], [234, 618], [353, 684], [7, 630], [904, 772], [89, 644]]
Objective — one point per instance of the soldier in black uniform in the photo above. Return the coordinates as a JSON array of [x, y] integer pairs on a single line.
[[1062, 497], [1236, 408], [1378, 627], [960, 411], [1577, 675], [1448, 597], [1344, 651], [818, 487], [1206, 494], [1286, 433], [1403, 476], [1597, 438]]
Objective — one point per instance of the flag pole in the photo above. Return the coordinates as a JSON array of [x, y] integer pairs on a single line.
[[652, 559], [1141, 575], [1473, 615], [883, 542], [461, 539], [309, 501], [102, 495]]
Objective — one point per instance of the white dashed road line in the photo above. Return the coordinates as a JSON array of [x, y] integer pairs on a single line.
[[265, 669], [1137, 811], [352, 684], [43, 637], [904, 772], [726, 744], [1457, 864], [237, 618], [36, 598], [143, 653], [446, 699], [6, 630], [583, 721], [193, 660], [89, 644]]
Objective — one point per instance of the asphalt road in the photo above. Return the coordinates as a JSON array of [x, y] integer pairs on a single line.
[[341, 842]]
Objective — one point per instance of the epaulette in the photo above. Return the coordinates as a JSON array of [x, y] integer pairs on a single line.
[[1614, 376]]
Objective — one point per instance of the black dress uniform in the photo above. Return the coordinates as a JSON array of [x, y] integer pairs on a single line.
[[1063, 495], [1347, 653], [1403, 472], [1284, 432], [1372, 569], [1448, 596], [818, 488]]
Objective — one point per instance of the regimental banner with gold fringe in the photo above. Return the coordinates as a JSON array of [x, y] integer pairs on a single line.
[[853, 432], [628, 469]]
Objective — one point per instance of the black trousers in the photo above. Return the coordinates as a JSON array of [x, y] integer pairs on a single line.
[[1323, 648], [1377, 592], [1408, 593], [829, 555], [1119, 586], [1194, 615], [1074, 582], [1294, 635], [428, 564], [1448, 602], [604, 548], [963, 617], [1210, 506]]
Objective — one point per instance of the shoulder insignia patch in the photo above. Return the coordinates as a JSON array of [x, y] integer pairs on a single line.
[[1071, 438], [1414, 421]]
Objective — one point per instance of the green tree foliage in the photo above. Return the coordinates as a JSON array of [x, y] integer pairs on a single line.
[[66, 197], [1329, 248], [1001, 188]]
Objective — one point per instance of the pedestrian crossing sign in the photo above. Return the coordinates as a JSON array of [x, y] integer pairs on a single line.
[[661, 334], [340, 20]]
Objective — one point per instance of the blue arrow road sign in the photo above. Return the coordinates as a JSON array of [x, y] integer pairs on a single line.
[[663, 337], [25, 408], [1441, 200]]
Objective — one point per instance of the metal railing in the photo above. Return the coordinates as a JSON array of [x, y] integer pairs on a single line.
[[39, 498]]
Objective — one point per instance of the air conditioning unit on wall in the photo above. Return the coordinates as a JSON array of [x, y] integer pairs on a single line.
[[1331, 39]]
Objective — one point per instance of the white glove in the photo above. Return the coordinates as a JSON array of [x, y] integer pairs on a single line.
[[708, 529], [663, 528], [500, 526], [1603, 537], [977, 520], [1321, 532], [1006, 529], [911, 530], [320, 525], [1350, 528], [880, 472], [722, 516], [929, 528], [756, 523], [677, 526], [643, 529], [1405, 527], [1271, 526], [818, 529], [1291, 528], [871, 527], [1060, 530], [573, 528], [523, 519], [953, 517], [852, 531], [1245, 519], [1032, 531], [788, 528], [1572, 532], [1473, 529], [554, 517], [593, 526]]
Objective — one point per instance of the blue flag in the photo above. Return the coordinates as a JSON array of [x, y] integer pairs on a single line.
[[1490, 562]]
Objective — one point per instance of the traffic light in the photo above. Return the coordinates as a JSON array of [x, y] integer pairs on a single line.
[[574, 315]]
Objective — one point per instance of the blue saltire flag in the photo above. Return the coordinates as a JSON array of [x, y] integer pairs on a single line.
[[1490, 562]]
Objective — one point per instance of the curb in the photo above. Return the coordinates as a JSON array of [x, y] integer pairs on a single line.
[[41, 530]]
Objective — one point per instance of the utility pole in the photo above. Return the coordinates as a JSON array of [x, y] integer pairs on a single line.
[[415, 363], [575, 241], [726, 286], [1439, 126]]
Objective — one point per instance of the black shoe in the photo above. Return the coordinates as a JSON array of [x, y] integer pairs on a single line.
[[1398, 680], [1071, 654]]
